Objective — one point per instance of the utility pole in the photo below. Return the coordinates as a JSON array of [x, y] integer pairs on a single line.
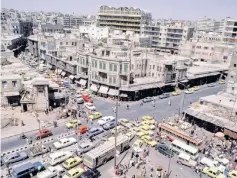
[[40, 135], [116, 123]]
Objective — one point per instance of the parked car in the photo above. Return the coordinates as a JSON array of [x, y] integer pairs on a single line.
[[73, 123], [147, 99], [211, 85], [188, 91], [95, 115], [165, 150], [64, 142], [195, 88], [125, 122], [79, 101], [90, 106], [105, 120], [38, 150], [164, 95], [138, 143], [14, 157], [148, 139], [186, 160], [24, 171], [72, 162], [222, 82], [90, 173], [176, 92], [95, 131], [82, 129], [119, 129], [43, 133], [109, 125]]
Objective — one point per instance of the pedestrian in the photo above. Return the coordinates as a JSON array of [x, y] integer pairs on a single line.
[[164, 174], [132, 155]]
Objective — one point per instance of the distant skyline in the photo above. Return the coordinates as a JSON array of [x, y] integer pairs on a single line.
[[175, 9]]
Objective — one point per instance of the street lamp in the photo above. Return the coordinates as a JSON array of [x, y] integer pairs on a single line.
[[183, 96]]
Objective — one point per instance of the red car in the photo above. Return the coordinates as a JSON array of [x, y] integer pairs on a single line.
[[87, 99], [43, 133]]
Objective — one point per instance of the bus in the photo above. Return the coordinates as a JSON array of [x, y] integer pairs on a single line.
[[100, 155], [180, 147]]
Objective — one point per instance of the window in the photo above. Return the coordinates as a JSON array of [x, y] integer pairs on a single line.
[[115, 67], [4, 84], [234, 65], [100, 65], [132, 66], [95, 64], [72, 43], [110, 67], [66, 43], [157, 68], [233, 88], [205, 47], [153, 67], [225, 57], [110, 79], [125, 67], [104, 66], [14, 83]]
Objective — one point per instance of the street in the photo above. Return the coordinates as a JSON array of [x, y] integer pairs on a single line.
[[161, 111]]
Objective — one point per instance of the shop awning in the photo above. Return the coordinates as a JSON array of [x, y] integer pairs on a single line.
[[123, 95], [103, 89], [82, 82], [94, 87], [13, 93], [72, 77], [63, 73], [113, 92], [58, 71]]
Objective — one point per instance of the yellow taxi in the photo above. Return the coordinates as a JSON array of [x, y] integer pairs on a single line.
[[74, 173], [72, 162], [140, 134], [195, 88], [222, 82], [176, 92], [233, 174], [95, 115], [119, 129], [213, 172], [73, 123], [148, 120], [152, 127], [138, 143], [147, 139], [147, 131]]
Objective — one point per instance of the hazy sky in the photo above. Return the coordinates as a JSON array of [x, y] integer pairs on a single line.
[[175, 9]]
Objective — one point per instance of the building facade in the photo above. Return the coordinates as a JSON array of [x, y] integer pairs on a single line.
[[123, 18], [230, 31], [232, 77]]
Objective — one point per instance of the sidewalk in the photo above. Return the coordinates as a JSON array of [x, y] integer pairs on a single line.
[[30, 122]]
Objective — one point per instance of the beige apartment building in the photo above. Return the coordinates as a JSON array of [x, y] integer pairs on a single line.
[[123, 18], [206, 51]]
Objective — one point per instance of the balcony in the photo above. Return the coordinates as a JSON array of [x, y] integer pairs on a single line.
[[119, 19], [118, 15], [119, 24]]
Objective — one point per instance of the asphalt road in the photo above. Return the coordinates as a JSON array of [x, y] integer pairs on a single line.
[[161, 110]]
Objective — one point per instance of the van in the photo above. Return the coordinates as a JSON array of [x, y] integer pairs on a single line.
[[186, 160], [24, 171], [165, 150], [58, 157]]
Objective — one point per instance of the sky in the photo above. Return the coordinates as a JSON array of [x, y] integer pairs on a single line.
[[175, 9]]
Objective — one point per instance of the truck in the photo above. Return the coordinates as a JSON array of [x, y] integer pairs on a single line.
[[51, 172], [38, 150]]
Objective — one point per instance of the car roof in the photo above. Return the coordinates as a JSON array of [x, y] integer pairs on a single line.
[[85, 144], [72, 171], [23, 167], [44, 130]]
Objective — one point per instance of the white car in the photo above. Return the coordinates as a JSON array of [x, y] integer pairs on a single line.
[[221, 159], [52, 171], [105, 120], [64, 142], [188, 91], [90, 106], [78, 95]]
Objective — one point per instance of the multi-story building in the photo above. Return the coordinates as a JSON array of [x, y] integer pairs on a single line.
[[70, 21], [232, 77], [123, 18], [33, 45], [229, 34], [94, 32], [51, 28], [168, 36], [209, 25], [206, 51]]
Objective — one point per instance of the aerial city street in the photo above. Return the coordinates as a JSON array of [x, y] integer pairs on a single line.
[[120, 93]]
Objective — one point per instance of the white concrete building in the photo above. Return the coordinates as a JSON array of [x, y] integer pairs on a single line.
[[123, 18], [232, 77], [94, 32], [230, 31]]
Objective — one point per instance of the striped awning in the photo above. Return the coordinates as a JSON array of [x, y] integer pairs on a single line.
[[103, 89], [113, 92]]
